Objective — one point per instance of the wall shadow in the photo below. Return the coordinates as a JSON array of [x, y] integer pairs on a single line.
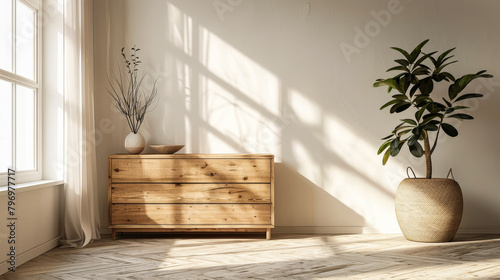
[[300, 202]]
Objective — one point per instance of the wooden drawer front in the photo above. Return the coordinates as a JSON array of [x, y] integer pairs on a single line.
[[191, 193], [191, 214], [191, 170]]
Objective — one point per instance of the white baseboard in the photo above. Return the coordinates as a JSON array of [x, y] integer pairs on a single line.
[[492, 230], [30, 254], [362, 229], [330, 230], [350, 230]]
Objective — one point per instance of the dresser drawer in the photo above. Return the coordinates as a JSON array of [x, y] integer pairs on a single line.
[[191, 193], [191, 214], [190, 171]]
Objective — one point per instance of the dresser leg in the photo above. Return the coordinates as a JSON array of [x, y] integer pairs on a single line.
[[268, 234], [113, 234]]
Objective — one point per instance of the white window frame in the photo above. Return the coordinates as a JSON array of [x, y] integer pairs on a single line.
[[36, 85]]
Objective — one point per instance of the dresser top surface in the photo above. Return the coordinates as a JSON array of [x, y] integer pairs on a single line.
[[179, 156]]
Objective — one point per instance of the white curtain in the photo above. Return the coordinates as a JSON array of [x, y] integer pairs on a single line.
[[81, 215]]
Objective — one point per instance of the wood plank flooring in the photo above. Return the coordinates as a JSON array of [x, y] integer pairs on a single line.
[[362, 256]]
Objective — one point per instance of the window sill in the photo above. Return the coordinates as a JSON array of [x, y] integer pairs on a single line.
[[31, 186]]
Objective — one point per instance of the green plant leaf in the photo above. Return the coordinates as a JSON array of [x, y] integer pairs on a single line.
[[443, 55], [469, 95], [420, 112], [413, 139], [383, 147], [432, 116], [387, 82], [461, 107], [430, 127], [429, 117], [399, 76], [387, 137], [461, 116], [394, 148], [386, 156], [400, 107], [438, 77], [413, 89], [416, 150], [482, 75], [400, 96], [436, 107], [416, 52], [410, 121], [444, 65], [399, 127], [466, 79], [422, 98], [463, 81], [426, 86], [434, 61], [402, 62], [404, 84], [401, 133], [448, 76], [453, 90], [421, 71], [440, 62], [447, 102], [389, 103], [421, 59], [395, 142], [417, 131], [449, 129], [400, 68], [403, 52]]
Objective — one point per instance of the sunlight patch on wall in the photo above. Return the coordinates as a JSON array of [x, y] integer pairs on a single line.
[[308, 112], [356, 152], [357, 173], [238, 101], [245, 76], [181, 28], [232, 125]]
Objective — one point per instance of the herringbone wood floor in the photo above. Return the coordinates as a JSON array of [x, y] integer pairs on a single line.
[[366, 256]]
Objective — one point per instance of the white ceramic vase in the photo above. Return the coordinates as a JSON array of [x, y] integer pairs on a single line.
[[134, 143]]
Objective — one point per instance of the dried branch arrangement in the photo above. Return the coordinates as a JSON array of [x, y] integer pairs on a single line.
[[125, 90]]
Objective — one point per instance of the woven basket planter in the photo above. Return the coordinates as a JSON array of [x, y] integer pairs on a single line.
[[429, 210]]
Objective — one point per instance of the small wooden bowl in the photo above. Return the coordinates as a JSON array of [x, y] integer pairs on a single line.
[[165, 149]]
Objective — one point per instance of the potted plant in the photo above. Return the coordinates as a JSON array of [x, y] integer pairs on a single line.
[[129, 98], [428, 209]]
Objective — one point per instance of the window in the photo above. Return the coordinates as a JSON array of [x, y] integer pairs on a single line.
[[19, 89]]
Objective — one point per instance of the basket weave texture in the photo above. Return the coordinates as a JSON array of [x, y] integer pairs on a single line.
[[166, 149], [429, 210]]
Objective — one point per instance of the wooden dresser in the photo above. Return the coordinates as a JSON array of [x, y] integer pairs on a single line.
[[191, 192]]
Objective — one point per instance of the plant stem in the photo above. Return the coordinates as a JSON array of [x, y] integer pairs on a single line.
[[428, 161]]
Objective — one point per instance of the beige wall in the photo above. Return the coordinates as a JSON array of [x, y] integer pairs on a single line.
[[37, 227], [294, 78]]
